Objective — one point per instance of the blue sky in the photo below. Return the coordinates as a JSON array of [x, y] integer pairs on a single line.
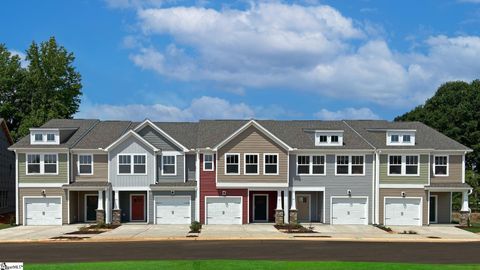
[[187, 60]]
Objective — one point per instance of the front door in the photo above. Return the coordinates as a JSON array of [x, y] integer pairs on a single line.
[[303, 207], [260, 211], [91, 202], [433, 209], [138, 207]]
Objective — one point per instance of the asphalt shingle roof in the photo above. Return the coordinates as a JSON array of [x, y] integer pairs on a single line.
[[103, 134]]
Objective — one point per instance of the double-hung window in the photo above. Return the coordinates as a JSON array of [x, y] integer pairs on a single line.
[[132, 164], [85, 164], [42, 164], [403, 165], [318, 164], [169, 165], [232, 164], [303, 165], [139, 164], [251, 164], [208, 162], [441, 166], [270, 164], [350, 165], [38, 137], [124, 164], [50, 137]]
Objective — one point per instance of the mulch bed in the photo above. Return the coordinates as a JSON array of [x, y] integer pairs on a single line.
[[5, 218], [69, 238], [93, 229], [293, 228]]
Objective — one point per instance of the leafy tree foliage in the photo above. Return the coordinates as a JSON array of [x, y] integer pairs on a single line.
[[454, 110], [49, 87]]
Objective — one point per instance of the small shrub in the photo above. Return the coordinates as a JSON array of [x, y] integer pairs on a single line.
[[83, 229], [383, 227], [12, 221], [195, 227]]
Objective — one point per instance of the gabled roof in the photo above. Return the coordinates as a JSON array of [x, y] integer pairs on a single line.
[[127, 135], [260, 128], [103, 134], [82, 126], [147, 122], [5, 129]]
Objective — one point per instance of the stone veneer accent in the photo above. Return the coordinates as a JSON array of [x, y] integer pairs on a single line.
[[100, 216], [464, 216], [293, 216], [116, 217], [279, 217]]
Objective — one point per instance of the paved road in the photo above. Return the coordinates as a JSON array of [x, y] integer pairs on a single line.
[[267, 250]]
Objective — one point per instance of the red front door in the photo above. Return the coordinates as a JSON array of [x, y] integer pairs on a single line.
[[138, 207]]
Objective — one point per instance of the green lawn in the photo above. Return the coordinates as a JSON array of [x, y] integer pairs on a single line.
[[246, 264], [475, 228], [4, 226]]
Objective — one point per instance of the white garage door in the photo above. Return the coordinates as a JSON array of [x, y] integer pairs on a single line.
[[173, 210], [43, 211], [349, 211], [224, 210], [403, 211]]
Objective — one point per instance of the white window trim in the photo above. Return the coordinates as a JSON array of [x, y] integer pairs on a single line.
[[131, 164], [329, 135], [213, 163], [403, 165], [245, 163], [310, 165], [435, 165], [350, 165], [175, 164], [264, 163], [238, 165], [42, 163], [44, 140], [400, 134], [78, 164]]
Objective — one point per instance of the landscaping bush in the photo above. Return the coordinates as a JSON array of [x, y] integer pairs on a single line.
[[195, 227], [12, 221]]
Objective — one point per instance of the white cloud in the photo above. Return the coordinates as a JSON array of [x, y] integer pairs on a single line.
[[347, 113], [23, 62], [298, 48]]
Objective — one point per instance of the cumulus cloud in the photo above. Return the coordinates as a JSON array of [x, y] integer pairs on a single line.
[[310, 48], [23, 61], [347, 113]]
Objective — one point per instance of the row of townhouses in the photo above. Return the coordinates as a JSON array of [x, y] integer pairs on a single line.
[[238, 172]]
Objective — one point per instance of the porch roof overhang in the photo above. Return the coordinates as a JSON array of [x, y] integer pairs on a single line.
[[177, 186], [448, 187], [80, 186]]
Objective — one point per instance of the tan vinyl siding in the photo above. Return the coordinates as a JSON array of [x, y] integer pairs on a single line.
[[100, 169], [454, 170], [444, 207], [422, 178], [61, 177], [38, 192], [252, 140], [409, 192]]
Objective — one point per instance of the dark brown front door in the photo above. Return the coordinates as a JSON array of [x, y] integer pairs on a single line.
[[138, 207]]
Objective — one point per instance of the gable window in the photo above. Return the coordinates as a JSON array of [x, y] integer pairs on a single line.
[[350, 165], [334, 138], [342, 164], [208, 162], [400, 137], [406, 138], [322, 138], [50, 137], [303, 164], [318, 164], [232, 164], [169, 165], [38, 137], [33, 163], [139, 164], [441, 166], [124, 164], [85, 164], [395, 165], [328, 137], [403, 165], [394, 138], [270, 164], [42, 163], [251, 163]]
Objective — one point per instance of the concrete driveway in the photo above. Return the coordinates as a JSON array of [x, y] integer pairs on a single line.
[[35, 233], [246, 231], [449, 232], [144, 231]]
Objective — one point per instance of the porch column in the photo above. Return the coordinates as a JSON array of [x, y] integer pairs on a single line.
[[279, 218], [293, 209], [100, 200], [285, 205], [108, 206], [279, 200], [116, 213], [465, 211], [465, 207], [294, 202], [117, 200]]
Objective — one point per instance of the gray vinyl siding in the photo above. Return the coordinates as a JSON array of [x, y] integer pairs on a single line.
[[157, 140], [151, 218], [316, 204], [131, 146], [336, 185], [190, 166], [179, 177], [7, 173]]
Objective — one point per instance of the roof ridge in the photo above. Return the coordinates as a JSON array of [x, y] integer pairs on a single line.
[[84, 134], [363, 138]]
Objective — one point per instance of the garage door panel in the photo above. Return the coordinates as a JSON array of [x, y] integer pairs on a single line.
[[224, 210], [43, 211], [173, 210], [349, 211], [403, 211]]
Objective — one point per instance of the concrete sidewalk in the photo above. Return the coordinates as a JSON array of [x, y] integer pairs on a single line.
[[144, 231], [35, 233], [250, 231]]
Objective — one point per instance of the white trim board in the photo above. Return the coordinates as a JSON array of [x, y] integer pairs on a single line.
[[241, 207], [127, 135], [144, 207], [267, 202]]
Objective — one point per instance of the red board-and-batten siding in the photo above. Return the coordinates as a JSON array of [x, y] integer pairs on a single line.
[[208, 187]]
